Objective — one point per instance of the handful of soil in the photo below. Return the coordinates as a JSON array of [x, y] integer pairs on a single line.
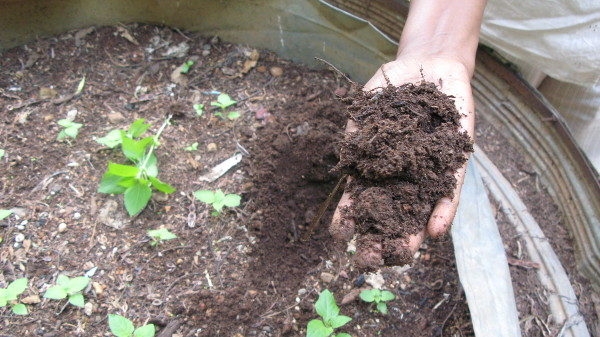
[[402, 160]]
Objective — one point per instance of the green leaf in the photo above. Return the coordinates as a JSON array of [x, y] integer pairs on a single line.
[[4, 213], [326, 306], [3, 297], [185, 67], [111, 140], [199, 108], [135, 150], [161, 186], [343, 334], [19, 309], [77, 300], [77, 284], [368, 295], [61, 135], [192, 147], [147, 330], [17, 287], [120, 326], [225, 100], [232, 200], [150, 166], [382, 308], [65, 123], [338, 321], [137, 128], [387, 296], [316, 328], [111, 184], [233, 115], [122, 170], [161, 234], [72, 131], [55, 293], [205, 196], [136, 198], [62, 280], [2, 152]]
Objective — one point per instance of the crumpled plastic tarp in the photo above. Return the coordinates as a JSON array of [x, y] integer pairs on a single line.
[[559, 37]]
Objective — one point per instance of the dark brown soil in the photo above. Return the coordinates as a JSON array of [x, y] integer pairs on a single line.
[[243, 273], [402, 160]]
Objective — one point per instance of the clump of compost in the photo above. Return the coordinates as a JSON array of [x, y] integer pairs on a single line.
[[402, 160]]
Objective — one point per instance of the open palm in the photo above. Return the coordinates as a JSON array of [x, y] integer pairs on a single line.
[[453, 79]]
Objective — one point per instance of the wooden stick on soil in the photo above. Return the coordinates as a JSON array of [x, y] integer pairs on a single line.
[[317, 218]]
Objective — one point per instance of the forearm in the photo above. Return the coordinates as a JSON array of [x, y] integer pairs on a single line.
[[443, 29]]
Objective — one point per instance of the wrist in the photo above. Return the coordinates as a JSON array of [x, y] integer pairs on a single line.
[[446, 30]]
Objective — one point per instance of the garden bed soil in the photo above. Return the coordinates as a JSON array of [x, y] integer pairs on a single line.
[[243, 273]]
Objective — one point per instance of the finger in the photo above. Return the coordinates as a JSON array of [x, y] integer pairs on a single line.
[[445, 209]]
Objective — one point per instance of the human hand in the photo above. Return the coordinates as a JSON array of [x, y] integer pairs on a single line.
[[453, 79]]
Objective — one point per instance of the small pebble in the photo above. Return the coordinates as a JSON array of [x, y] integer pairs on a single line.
[[19, 237], [211, 147], [327, 277], [276, 71], [76, 215], [62, 227], [88, 308]]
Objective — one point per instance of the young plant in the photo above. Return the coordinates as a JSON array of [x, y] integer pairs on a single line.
[[10, 294], [2, 152], [160, 235], [136, 182], [217, 199], [186, 66], [199, 108], [330, 318], [192, 147], [378, 297], [223, 102], [70, 129], [123, 327], [69, 288]]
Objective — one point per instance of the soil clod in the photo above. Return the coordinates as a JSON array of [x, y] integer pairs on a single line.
[[402, 159]]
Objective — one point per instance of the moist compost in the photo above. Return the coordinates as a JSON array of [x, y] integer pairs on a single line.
[[241, 274], [402, 160]]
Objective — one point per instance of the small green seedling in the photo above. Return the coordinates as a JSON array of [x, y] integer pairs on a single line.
[[330, 318], [231, 115], [70, 288], [218, 199], [70, 129], [186, 66], [193, 147], [5, 213], [2, 152], [122, 327], [160, 235], [136, 182], [223, 102], [199, 108], [378, 297], [10, 294]]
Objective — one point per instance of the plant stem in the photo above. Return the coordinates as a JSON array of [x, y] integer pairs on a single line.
[[153, 146]]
